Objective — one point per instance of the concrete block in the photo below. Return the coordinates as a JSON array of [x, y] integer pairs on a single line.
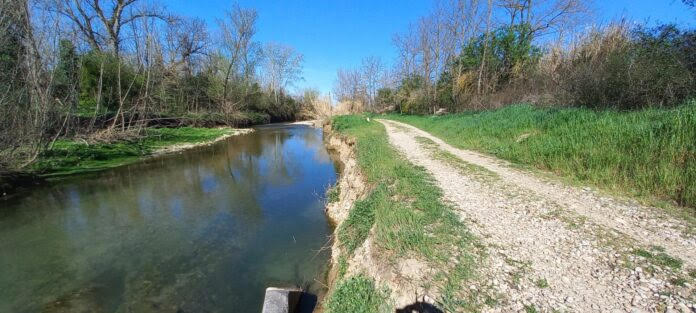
[[281, 300]]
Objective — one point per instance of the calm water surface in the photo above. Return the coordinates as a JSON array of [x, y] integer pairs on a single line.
[[203, 231]]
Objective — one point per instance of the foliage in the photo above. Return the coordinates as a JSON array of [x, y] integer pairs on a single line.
[[66, 77], [356, 227], [356, 294], [618, 68], [650, 153], [102, 74], [410, 96]]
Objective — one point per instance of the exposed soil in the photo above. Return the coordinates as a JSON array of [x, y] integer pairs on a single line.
[[553, 247]]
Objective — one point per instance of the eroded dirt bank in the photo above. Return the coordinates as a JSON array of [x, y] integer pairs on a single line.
[[401, 281]]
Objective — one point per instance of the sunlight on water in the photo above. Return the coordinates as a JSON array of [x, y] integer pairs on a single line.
[[203, 231]]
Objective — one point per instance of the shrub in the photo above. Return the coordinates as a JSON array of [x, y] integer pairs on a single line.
[[629, 69]]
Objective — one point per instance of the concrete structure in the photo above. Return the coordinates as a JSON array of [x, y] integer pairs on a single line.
[[281, 300]]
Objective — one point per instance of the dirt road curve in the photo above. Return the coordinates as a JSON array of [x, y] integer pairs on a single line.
[[553, 247]]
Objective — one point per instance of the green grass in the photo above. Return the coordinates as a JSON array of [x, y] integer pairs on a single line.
[[72, 157], [530, 309], [333, 193], [659, 258], [354, 230], [649, 153], [356, 294], [406, 212]]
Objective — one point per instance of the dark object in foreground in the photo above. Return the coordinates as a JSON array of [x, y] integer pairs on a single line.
[[288, 300], [419, 307]]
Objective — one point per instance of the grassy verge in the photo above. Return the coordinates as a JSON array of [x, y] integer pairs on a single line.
[[72, 157], [649, 153], [406, 217], [356, 294]]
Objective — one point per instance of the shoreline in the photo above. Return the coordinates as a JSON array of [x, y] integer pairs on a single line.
[[13, 183], [169, 149]]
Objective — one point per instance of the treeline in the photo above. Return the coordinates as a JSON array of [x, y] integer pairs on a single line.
[[474, 55], [106, 69]]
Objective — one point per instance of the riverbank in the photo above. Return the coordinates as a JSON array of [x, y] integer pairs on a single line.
[[397, 244], [72, 156], [68, 157]]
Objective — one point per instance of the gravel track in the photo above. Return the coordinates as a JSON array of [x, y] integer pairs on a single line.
[[553, 247]]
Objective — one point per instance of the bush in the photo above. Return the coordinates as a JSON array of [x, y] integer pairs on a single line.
[[630, 69]]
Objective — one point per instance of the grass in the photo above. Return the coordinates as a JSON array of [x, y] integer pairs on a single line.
[[530, 309], [659, 258], [332, 193], [648, 153], [542, 283], [72, 157], [406, 213], [356, 294]]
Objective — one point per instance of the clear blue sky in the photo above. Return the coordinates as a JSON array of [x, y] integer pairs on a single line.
[[338, 33]]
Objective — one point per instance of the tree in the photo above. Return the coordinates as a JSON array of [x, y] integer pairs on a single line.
[[101, 23], [371, 73], [281, 67], [238, 29], [189, 39], [66, 79]]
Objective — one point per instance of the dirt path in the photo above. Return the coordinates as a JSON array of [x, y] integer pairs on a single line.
[[553, 247]]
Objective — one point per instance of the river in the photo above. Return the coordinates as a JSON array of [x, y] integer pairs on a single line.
[[205, 230]]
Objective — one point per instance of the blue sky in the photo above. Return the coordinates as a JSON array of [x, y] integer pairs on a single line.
[[332, 34]]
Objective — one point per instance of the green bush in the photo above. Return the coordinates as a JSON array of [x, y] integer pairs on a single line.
[[631, 69]]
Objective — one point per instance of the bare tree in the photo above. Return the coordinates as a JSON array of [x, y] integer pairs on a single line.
[[281, 67], [546, 16], [372, 68], [189, 39], [101, 23], [238, 29], [349, 88]]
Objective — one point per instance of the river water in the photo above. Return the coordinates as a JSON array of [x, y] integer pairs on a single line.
[[206, 230]]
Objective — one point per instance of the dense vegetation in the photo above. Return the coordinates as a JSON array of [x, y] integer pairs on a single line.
[[409, 220], [650, 153], [613, 67], [105, 71], [472, 55]]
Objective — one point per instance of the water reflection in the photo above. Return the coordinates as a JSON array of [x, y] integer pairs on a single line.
[[202, 231]]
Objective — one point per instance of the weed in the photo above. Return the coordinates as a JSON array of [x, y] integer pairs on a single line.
[[342, 266], [333, 193], [356, 294], [659, 258], [542, 283], [354, 230], [530, 308], [679, 281]]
